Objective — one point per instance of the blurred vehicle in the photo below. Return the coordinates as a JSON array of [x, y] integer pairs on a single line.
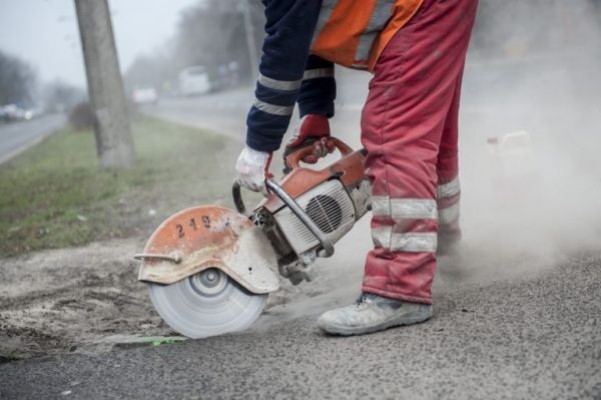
[[514, 154], [145, 95], [515, 171], [194, 80], [3, 115], [233, 71], [12, 112]]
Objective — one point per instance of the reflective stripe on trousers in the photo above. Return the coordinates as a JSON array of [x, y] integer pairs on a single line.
[[397, 211], [447, 196]]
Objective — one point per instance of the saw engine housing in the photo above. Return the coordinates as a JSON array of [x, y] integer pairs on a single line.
[[331, 200], [332, 209]]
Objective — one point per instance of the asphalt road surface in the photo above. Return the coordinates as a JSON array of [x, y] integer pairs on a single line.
[[18, 136], [534, 337]]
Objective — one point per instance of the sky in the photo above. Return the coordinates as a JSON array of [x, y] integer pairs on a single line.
[[45, 34]]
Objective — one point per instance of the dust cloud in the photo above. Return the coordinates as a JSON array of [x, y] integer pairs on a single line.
[[530, 139], [531, 123]]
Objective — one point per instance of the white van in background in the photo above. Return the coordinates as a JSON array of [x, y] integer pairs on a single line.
[[194, 80], [145, 95]]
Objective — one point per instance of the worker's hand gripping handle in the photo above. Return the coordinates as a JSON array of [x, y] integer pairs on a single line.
[[294, 159]]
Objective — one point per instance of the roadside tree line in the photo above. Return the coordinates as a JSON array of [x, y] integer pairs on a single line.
[[211, 34], [23, 96]]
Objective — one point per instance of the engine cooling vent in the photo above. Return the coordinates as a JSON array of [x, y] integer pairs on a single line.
[[325, 212], [329, 206]]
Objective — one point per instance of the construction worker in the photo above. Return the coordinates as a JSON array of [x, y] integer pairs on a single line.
[[416, 51]]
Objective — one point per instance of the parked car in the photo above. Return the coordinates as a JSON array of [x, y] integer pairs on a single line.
[[12, 112], [194, 80], [3, 115], [145, 95]]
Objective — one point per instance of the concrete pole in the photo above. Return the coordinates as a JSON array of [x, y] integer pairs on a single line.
[[114, 141], [251, 43]]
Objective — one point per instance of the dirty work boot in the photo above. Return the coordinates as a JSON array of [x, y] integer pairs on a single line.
[[372, 313]]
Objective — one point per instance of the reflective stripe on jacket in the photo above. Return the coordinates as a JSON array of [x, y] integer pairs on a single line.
[[353, 33]]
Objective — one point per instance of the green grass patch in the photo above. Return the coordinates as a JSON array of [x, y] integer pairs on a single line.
[[55, 195], [8, 357]]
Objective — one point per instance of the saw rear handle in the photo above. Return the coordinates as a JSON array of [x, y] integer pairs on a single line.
[[294, 159]]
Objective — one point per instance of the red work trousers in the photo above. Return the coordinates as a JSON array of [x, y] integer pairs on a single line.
[[410, 131]]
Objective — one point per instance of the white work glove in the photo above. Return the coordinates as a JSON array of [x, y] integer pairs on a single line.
[[253, 169]]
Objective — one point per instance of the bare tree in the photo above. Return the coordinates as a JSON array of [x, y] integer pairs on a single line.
[[214, 33], [17, 80], [114, 141], [61, 96], [157, 70]]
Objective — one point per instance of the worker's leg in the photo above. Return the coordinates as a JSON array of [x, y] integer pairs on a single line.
[[410, 97], [447, 168], [404, 121]]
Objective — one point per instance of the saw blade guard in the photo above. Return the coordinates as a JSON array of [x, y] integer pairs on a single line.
[[206, 237]]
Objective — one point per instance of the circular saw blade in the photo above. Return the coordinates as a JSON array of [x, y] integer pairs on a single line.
[[198, 307]]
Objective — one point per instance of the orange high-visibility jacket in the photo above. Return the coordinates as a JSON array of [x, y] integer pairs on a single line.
[[353, 33]]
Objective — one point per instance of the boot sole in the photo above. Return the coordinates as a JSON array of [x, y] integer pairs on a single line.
[[346, 331]]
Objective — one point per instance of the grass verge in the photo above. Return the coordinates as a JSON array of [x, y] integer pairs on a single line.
[[55, 195]]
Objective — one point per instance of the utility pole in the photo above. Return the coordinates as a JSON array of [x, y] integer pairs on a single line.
[[251, 43], [114, 141]]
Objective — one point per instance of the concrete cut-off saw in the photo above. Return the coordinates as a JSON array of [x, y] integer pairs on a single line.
[[209, 269]]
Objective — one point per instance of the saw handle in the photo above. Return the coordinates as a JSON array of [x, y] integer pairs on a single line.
[[237, 195], [293, 159]]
